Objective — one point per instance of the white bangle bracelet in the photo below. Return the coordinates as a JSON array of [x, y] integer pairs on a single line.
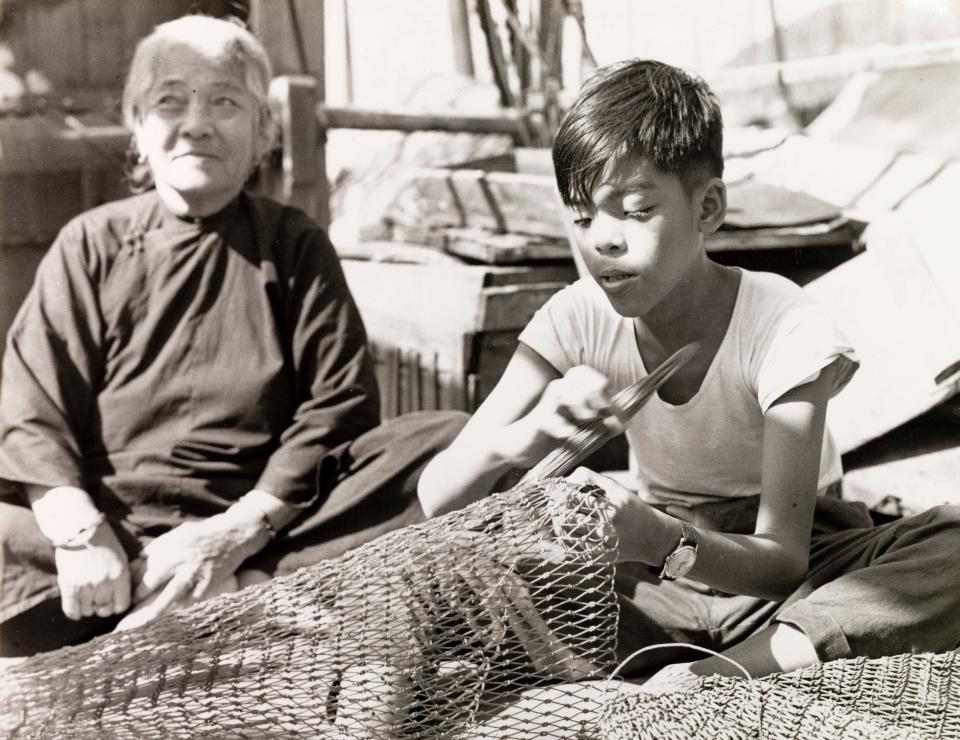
[[82, 537]]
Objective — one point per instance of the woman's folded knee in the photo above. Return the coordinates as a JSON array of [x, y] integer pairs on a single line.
[[945, 517]]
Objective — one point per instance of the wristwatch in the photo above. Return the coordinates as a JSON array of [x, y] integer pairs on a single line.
[[684, 555]]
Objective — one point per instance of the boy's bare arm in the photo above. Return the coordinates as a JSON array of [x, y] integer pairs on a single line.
[[467, 470], [531, 408], [772, 561]]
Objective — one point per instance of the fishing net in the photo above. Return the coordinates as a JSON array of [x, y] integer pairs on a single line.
[[901, 697], [427, 632]]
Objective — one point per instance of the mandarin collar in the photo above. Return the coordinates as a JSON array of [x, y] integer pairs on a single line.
[[202, 223]]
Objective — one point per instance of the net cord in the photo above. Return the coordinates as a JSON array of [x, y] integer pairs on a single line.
[[635, 653]]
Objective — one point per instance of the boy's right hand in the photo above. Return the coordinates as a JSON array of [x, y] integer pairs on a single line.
[[579, 397]]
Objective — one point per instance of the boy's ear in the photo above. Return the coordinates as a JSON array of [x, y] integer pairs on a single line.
[[713, 205]]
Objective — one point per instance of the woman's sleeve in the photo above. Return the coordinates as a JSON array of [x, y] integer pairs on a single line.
[[336, 390], [51, 369], [804, 341]]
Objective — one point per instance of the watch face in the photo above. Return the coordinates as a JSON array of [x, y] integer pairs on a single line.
[[680, 562]]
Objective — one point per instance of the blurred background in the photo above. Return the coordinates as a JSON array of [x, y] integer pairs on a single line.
[[419, 132]]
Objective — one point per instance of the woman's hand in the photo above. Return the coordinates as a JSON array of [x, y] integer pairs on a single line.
[[191, 562], [579, 397], [94, 578]]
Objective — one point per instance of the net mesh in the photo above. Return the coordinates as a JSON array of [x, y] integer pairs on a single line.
[[426, 632], [902, 697]]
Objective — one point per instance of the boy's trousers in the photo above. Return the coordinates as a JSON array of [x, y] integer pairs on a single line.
[[870, 591]]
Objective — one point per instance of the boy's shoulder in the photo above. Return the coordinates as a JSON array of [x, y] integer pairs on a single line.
[[768, 291], [773, 304]]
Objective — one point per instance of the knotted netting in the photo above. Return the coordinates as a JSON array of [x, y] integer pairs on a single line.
[[899, 697], [426, 632]]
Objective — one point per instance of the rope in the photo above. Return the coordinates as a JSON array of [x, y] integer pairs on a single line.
[[635, 653]]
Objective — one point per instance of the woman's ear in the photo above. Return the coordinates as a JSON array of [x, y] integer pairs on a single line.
[[266, 138], [713, 205]]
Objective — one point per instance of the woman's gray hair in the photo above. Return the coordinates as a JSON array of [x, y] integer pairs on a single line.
[[215, 36]]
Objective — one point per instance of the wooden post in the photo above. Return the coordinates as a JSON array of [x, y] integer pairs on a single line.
[[304, 180]]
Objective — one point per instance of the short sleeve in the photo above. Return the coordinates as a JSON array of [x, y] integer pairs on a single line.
[[804, 342], [553, 330]]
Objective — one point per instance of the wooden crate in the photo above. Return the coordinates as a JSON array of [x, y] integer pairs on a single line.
[[442, 334]]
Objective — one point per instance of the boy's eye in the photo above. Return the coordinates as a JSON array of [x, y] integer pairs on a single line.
[[583, 221]]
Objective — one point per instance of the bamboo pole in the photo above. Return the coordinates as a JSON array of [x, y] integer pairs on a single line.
[[460, 32]]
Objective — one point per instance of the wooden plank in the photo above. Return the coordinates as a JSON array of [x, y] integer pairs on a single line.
[[512, 306], [425, 320], [929, 211], [492, 352], [504, 249], [57, 43], [759, 205], [561, 272], [272, 23], [416, 305], [524, 202], [106, 50], [838, 232], [471, 198], [491, 201], [835, 172], [55, 142], [428, 201], [907, 174], [429, 389], [906, 333], [835, 66], [383, 251]]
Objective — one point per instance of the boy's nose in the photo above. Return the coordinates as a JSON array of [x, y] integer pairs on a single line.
[[607, 236]]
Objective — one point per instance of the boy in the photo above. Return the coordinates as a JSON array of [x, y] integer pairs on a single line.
[[727, 459]]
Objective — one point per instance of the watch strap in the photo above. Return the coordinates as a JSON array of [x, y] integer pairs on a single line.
[[688, 540]]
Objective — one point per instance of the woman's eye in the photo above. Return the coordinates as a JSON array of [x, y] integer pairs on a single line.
[[168, 104], [226, 103], [640, 214]]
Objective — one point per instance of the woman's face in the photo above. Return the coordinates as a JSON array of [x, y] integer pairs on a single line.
[[199, 129]]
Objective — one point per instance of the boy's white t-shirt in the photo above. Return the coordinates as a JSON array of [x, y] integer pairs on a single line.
[[709, 448]]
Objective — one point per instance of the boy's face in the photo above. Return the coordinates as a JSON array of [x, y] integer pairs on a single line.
[[642, 234]]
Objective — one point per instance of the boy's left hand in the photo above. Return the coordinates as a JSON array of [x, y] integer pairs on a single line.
[[629, 513]]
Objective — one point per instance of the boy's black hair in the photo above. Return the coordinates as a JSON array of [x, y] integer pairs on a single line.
[[643, 105]]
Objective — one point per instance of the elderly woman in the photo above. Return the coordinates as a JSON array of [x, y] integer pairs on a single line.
[[184, 361]]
